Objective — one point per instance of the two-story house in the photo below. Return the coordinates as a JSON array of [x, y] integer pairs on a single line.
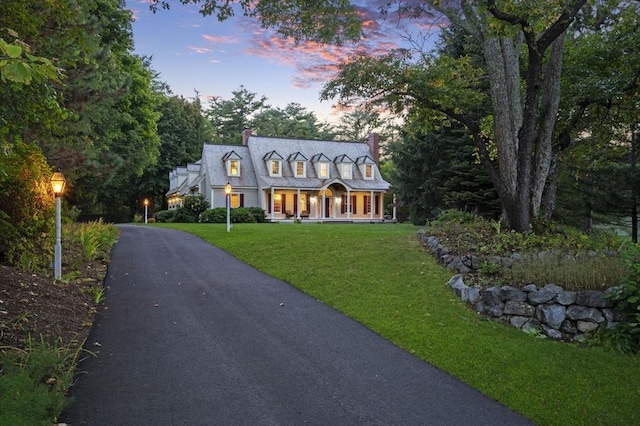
[[289, 178]]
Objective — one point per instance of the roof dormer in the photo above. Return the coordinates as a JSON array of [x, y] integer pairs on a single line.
[[366, 166], [298, 163], [273, 161], [321, 163], [232, 163], [345, 166]]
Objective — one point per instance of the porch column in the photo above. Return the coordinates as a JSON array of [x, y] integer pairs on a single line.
[[272, 202], [298, 205], [371, 206], [322, 209], [348, 203]]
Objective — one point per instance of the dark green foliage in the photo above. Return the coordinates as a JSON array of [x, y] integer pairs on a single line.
[[437, 170], [26, 203], [236, 215], [626, 335], [230, 117], [183, 215], [323, 21], [294, 121], [164, 216], [242, 215], [196, 204], [99, 125], [257, 213], [217, 215], [183, 130]]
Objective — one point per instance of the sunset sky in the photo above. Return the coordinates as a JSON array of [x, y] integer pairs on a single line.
[[196, 53]]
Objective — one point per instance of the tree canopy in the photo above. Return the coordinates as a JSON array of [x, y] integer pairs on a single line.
[[329, 21]]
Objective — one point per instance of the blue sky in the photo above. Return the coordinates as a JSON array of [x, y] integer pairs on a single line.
[[192, 52]]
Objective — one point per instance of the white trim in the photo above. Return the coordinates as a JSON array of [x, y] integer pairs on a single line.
[[273, 194], [372, 205], [271, 164]]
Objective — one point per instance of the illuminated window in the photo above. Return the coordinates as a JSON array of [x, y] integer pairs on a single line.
[[275, 168], [277, 203], [303, 202], [232, 163], [235, 201], [300, 169], [234, 168], [323, 172]]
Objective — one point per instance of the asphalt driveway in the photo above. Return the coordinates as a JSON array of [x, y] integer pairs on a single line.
[[190, 335]]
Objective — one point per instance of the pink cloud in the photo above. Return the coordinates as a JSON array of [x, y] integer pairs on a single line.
[[317, 63], [220, 39]]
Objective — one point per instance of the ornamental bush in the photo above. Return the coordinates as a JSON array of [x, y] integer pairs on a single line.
[[236, 215], [258, 214], [196, 204], [242, 215], [183, 215], [217, 215], [164, 216]]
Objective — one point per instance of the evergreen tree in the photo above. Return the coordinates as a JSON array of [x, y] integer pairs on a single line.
[[230, 117], [437, 169]]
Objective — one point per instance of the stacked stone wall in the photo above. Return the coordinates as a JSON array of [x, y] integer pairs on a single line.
[[551, 310]]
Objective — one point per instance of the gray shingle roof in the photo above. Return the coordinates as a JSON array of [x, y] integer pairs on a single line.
[[214, 159], [259, 147], [253, 164]]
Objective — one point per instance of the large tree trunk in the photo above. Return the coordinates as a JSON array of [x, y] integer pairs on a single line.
[[524, 116], [549, 104], [549, 195]]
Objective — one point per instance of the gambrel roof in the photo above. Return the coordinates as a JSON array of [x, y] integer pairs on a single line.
[[261, 146]]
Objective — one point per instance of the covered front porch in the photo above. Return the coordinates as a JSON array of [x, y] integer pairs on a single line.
[[333, 203]]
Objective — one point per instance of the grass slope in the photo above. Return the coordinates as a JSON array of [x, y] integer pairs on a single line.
[[380, 276]]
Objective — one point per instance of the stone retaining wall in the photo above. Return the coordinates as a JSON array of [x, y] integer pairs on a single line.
[[550, 310]]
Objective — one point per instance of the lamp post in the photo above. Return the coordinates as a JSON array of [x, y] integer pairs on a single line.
[[394, 207], [57, 183], [146, 205], [227, 191]]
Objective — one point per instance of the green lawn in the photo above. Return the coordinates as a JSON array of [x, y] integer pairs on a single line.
[[380, 276]]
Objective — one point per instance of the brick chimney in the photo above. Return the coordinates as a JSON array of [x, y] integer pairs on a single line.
[[374, 146], [245, 136]]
